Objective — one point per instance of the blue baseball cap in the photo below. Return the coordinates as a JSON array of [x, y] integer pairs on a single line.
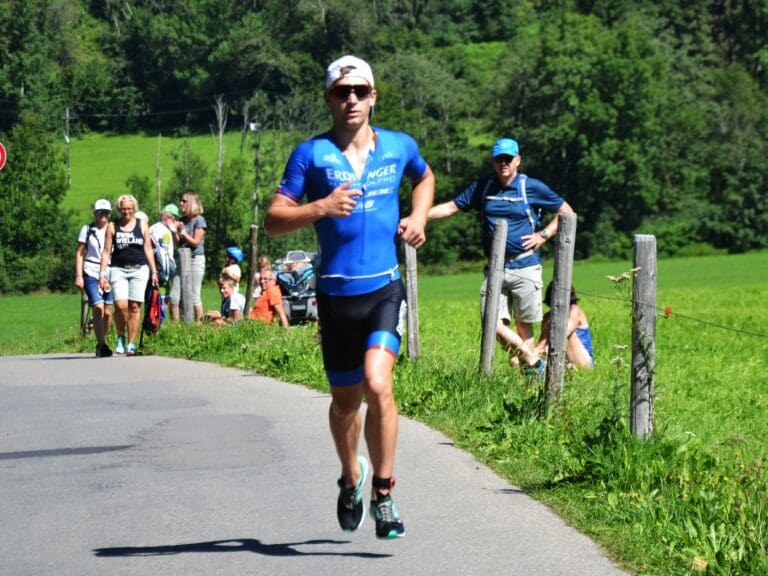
[[505, 147]]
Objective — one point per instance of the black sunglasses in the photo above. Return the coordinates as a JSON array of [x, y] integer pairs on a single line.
[[504, 159], [343, 91], [102, 212]]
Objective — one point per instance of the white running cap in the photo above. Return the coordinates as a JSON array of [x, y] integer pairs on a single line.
[[347, 66]]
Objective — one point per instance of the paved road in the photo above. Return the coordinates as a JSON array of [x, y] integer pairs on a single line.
[[157, 466]]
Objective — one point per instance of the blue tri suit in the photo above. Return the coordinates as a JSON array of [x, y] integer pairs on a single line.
[[358, 252], [360, 296]]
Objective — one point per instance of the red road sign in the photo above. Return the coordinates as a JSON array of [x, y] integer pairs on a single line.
[[3, 156]]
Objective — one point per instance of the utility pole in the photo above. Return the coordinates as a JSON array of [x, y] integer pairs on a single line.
[[66, 139], [255, 127], [221, 122], [158, 174]]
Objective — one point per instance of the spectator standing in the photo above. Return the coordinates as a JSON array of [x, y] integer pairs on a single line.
[[161, 233], [518, 199], [162, 230], [90, 243], [269, 304], [350, 178], [190, 233], [131, 267]]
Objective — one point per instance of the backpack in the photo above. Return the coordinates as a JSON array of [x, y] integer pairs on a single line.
[[166, 266], [154, 313], [533, 217], [92, 232]]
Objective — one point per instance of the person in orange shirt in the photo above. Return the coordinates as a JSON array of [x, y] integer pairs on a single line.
[[270, 304]]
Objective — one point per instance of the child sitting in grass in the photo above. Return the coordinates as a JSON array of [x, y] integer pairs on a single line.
[[232, 304]]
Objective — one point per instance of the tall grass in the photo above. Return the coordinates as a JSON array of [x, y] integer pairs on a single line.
[[692, 496]]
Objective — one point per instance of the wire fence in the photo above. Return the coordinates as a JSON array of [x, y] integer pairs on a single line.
[[669, 311]]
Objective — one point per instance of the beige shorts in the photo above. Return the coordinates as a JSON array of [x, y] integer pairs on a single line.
[[520, 290]]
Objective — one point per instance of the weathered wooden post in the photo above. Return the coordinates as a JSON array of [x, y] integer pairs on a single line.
[[492, 293], [252, 263], [185, 275], [643, 336], [159, 174], [412, 297], [560, 309]]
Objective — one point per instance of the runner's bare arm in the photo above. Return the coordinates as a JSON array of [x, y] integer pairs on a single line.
[[411, 228], [286, 215]]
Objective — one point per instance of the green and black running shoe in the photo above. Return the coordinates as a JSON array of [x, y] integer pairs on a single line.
[[349, 507], [388, 523]]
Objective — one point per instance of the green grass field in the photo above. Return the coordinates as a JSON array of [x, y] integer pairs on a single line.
[[696, 491], [101, 164]]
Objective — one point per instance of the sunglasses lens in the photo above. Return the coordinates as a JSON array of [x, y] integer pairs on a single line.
[[343, 92]]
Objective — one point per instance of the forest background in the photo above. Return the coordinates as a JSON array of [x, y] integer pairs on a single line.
[[646, 116]]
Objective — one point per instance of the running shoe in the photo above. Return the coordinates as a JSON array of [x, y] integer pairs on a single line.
[[120, 346], [103, 351], [349, 507], [388, 523], [131, 350]]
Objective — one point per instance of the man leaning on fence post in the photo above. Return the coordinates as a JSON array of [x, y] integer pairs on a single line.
[[518, 199]]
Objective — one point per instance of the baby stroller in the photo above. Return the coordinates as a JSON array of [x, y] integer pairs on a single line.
[[295, 274]]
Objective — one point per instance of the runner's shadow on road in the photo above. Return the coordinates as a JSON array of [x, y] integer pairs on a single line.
[[237, 545]]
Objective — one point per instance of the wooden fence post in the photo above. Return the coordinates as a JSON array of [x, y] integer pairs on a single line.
[[185, 265], [643, 336], [252, 262], [412, 298], [560, 307], [492, 293]]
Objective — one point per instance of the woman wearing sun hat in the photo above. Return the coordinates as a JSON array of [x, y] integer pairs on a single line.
[[90, 242]]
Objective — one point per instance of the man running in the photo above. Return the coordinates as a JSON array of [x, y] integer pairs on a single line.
[[349, 177]]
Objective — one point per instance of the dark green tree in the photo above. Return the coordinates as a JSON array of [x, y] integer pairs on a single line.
[[36, 243], [590, 116], [738, 219], [189, 172]]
